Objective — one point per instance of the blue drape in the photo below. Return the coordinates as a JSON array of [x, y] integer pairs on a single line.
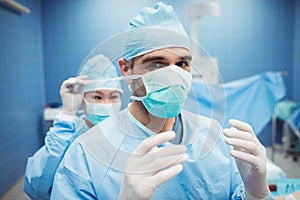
[[250, 99]]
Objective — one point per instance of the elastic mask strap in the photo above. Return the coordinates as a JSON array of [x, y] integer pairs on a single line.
[[137, 98], [85, 101]]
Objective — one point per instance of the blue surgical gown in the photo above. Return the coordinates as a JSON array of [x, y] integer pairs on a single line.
[[41, 167], [92, 168]]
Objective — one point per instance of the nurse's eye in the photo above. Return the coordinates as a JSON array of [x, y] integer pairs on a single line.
[[97, 97], [114, 97], [183, 64]]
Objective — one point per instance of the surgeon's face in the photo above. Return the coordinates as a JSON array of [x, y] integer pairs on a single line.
[[157, 59]]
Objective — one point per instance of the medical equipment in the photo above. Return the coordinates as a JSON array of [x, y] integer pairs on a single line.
[[17, 6], [205, 67], [285, 129], [284, 186]]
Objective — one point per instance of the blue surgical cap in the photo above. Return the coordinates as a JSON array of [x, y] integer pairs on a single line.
[[100, 67], [154, 28]]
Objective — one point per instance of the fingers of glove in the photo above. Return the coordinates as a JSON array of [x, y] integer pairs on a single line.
[[68, 86], [235, 133], [241, 126], [171, 150], [243, 145], [154, 141], [82, 78], [69, 82], [167, 151], [165, 162], [80, 89], [80, 83], [246, 157], [166, 174], [146, 165], [74, 84], [161, 152]]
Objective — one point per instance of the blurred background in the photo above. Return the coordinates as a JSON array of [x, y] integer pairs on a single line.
[[41, 49]]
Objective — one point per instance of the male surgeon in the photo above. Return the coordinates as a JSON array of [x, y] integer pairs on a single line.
[[155, 149]]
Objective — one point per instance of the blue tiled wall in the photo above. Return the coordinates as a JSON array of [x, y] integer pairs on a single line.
[[22, 90]]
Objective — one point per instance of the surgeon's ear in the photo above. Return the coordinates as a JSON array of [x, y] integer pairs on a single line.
[[124, 66]]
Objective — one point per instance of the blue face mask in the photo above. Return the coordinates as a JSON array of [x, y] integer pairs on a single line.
[[95, 119], [97, 112], [167, 89]]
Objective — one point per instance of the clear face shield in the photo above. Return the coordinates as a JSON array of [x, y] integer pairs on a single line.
[[166, 90]]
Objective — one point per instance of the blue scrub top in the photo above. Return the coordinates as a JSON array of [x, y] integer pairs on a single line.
[[93, 166], [41, 167]]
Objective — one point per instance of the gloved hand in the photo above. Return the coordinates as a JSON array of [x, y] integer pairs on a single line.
[[71, 93], [149, 166], [250, 157]]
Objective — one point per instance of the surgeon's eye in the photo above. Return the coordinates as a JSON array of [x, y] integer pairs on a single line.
[[155, 65], [183, 64]]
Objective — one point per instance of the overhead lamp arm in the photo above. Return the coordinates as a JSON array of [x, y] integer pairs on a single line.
[[15, 5]]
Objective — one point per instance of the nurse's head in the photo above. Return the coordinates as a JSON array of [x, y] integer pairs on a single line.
[[101, 98], [157, 47]]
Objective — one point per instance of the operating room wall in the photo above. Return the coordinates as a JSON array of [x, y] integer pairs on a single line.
[[72, 28], [22, 90], [296, 72], [249, 37]]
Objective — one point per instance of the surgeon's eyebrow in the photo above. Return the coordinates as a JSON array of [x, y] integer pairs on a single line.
[[153, 58], [188, 58]]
